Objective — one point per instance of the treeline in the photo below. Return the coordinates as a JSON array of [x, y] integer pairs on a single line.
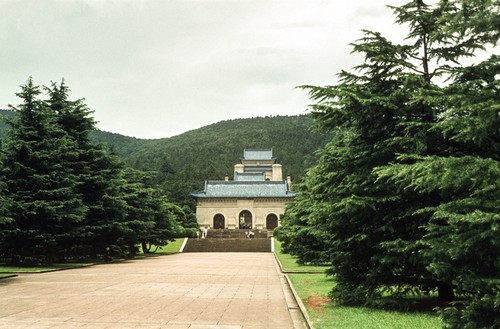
[[404, 200], [64, 197]]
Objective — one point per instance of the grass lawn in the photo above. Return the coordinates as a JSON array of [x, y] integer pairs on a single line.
[[313, 289], [170, 248], [289, 262]]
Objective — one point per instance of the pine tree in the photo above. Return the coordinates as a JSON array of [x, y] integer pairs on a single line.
[[45, 204], [150, 217], [167, 219], [105, 229], [140, 208], [5, 219], [461, 234], [74, 117], [104, 226], [390, 118]]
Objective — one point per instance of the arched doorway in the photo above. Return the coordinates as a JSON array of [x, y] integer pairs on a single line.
[[219, 221], [245, 218], [271, 221]]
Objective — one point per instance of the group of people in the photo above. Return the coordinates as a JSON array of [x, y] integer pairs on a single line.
[[203, 233], [248, 234]]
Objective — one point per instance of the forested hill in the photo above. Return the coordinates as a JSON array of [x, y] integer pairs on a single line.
[[183, 162], [123, 145], [211, 152]]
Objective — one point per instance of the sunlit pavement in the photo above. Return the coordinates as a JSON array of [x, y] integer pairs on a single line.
[[192, 290]]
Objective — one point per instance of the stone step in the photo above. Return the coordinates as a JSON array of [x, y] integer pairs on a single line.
[[225, 234], [228, 245]]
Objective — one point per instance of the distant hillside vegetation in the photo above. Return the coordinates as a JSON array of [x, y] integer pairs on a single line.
[[185, 161], [122, 145], [5, 114]]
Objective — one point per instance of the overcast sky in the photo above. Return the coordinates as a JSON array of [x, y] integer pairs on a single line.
[[158, 68]]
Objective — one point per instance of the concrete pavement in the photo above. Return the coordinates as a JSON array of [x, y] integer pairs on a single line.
[[194, 290]]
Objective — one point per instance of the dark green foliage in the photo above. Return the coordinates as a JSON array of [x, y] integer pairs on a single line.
[[125, 147], [5, 216], [139, 203], [298, 234], [470, 122], [45, 204], [65, 197], [73, 117], [150, 218], [462, 232], [105, 224], [406, 193], [5, 116]]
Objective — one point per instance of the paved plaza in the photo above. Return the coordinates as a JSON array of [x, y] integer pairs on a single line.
[[192, 290]]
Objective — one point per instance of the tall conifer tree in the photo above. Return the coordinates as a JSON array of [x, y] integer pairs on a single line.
[[99, 181], [5, 217], [46, 206], [381, 188]]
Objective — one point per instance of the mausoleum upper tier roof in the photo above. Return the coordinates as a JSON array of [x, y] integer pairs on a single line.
[[258, 154], [245, 189], [250, 176]]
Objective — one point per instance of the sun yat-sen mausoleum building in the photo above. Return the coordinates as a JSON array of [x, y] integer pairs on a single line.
[[254, 199]]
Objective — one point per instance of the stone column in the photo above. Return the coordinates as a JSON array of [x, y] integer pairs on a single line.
[[277, 172]]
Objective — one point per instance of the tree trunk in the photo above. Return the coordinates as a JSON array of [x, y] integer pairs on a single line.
[[445, 292], [145, 248]]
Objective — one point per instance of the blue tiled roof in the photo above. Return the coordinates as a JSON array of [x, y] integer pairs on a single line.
[[258, 168], [247, 176], [258, 154], [245, 189]]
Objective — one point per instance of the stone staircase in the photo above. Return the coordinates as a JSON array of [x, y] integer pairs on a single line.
[[230, 241], [236, 234]]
